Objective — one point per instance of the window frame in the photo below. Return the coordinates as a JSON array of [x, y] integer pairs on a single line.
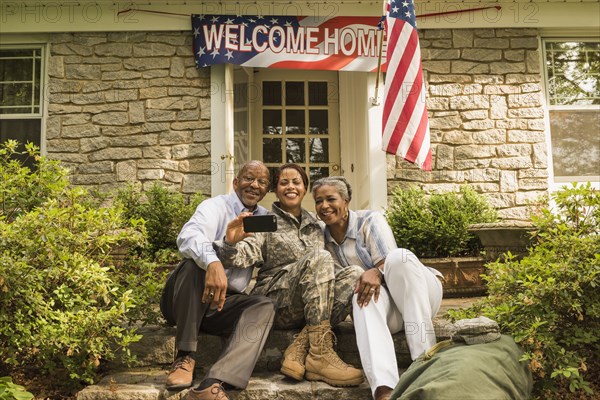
[[42, 113], [556, 182]]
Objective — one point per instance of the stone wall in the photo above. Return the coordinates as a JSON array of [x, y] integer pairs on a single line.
[[486, 114], [129, 107]]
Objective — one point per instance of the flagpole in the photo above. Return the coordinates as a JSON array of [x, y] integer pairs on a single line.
[[375, 99]]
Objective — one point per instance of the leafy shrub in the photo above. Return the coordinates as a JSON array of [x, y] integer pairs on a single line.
[[21, 188], [11, 391], [65, 306], [550, 301], [436, 225], [165, 212]]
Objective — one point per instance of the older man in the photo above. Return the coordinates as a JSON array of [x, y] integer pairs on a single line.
[[202, 296]]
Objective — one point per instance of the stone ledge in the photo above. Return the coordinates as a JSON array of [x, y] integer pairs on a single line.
[[149, 385], [157, 347]]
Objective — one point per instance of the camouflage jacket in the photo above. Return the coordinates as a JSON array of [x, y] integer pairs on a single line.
[[272, 252]]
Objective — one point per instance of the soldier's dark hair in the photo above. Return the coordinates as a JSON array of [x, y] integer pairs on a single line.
[[296, 167], [340, 184]]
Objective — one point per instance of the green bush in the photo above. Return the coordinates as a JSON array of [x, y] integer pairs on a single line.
[[64, 306], [550, 300], [436, 225], [22, 189], [11, 391], [164, 212]]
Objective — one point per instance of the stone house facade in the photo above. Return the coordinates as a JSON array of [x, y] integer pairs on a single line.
[[129, 106], [486, 117]]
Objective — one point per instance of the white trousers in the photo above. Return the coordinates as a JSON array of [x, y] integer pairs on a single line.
[[411, 300]]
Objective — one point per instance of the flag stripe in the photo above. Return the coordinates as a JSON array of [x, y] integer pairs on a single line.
[[392, 87], [404, 122], [412, 111]]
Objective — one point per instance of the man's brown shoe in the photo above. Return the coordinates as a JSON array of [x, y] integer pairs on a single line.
[[181, 374], [213, 392]]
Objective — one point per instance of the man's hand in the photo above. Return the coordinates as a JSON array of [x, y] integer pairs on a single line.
[[215, 286], [235, 229]]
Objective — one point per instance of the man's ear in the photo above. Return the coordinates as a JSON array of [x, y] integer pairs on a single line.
[[235, 183]]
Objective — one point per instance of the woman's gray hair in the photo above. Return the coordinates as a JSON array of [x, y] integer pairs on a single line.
[[340, 184]]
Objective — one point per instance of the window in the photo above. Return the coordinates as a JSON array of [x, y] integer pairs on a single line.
[[297, 121], [573, 95], [21, 90]]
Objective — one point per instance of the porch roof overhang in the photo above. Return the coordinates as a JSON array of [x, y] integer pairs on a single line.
[[27, 17]]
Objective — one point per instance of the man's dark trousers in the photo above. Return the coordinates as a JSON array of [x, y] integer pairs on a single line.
[[245, 320]]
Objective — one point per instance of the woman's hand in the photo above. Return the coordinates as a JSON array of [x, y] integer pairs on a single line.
[[235, 229], [368, 286]]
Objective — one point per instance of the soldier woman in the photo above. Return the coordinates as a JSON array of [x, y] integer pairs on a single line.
[[300, 276]]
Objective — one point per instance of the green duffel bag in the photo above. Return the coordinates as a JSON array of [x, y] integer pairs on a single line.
[[454, 370]]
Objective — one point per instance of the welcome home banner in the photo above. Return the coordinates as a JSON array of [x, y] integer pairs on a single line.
[[294, 42]]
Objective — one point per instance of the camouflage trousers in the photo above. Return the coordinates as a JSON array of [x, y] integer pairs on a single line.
[[311, 290]]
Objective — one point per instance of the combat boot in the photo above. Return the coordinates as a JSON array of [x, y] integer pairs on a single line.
[[295, 356], [322, 362]]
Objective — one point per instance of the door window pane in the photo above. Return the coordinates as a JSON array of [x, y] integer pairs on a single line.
[[294, 149], [294, 93], [294, 121], [318, 122], [272, 150], [272, 176], [317, 93], [317, 173], [319, 150], [272, 122], [271, 93]]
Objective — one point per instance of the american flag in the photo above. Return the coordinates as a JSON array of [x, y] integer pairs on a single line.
[[405, 123], [273, 41]]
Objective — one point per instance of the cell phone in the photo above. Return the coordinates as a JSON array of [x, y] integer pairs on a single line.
[[260, 223]]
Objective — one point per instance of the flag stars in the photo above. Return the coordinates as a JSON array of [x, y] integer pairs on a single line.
[[214, 19], [200, 52], [288, 23], [229, 21], [407, 14], [405, 4], [395, 9], [229, 54], [215, 53], [196, 31], [274, 21]]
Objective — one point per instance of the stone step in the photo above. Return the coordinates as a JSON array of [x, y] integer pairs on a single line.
[[150, 385], [157, 347], [156, 351]]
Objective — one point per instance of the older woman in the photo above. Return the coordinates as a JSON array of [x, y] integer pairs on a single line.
[[298, 273], [395, 290]]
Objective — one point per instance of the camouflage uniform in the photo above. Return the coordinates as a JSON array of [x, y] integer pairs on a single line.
[[296, 271]]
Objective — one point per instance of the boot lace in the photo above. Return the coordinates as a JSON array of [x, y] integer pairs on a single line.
[[302, 347], [327, 341]]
